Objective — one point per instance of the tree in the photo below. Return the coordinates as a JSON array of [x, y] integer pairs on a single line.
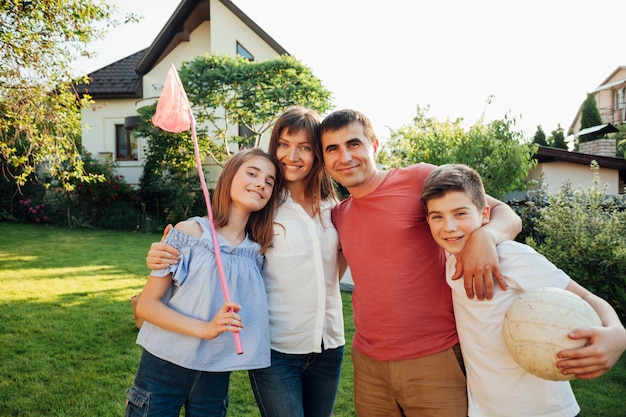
[[620, 137], [589, 117], [540, 137], [39, 109], [495, 150], [228, 91], [557, 139]]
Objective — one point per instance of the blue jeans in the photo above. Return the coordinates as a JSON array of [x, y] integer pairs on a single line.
[[161, 389], [298, 385]]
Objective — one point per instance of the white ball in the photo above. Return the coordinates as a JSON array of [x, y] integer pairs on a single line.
[[536, 325]]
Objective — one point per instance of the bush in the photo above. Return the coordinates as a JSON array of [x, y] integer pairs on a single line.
[[582, 232], [109, 204], [529, 211]]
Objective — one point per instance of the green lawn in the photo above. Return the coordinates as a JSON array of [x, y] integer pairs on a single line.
[[67, 337]]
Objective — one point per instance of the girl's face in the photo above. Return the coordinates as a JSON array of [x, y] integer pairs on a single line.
[[253, 184], [296, 155]]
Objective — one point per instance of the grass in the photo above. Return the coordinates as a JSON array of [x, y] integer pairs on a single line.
[[67, 337]]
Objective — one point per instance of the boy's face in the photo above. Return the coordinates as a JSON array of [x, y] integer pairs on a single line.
[[452, 219]]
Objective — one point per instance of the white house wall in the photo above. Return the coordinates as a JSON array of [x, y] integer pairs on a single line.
[[198, 45], [98, 134], [227, 29], [557, 174]]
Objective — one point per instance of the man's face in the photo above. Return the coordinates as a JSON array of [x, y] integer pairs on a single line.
[[349, 156]]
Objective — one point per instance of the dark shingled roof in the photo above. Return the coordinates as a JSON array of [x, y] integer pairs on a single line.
[[117, 80]]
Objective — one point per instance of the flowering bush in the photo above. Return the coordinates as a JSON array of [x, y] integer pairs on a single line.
[[34, 212], [90, 204]]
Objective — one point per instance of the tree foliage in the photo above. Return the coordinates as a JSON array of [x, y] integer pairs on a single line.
[[589, 117], [495, 149], [39, 110], [557, 139], [620, 137], [227, 92], [540, 137]]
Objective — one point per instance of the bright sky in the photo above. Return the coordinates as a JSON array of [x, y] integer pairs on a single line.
[[536, 59]]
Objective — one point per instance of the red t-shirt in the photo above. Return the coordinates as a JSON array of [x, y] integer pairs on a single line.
[[402, 304]]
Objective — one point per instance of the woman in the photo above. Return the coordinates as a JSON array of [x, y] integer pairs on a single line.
[[301, 275]]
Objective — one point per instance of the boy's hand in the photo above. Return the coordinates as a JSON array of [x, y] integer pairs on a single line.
[[479, 266], [605, 347]]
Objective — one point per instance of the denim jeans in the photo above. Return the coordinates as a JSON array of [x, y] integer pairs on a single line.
[[298, 385], [162, 388]]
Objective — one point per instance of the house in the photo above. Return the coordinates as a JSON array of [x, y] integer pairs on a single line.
[[558, 166], [611, 100], [197, 27]]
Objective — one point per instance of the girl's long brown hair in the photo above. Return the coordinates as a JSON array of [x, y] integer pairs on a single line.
[[318, 185], [260, 226]]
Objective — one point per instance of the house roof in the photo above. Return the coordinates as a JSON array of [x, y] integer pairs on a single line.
[[547, 154], [604, 85], [117, 80], [122, 79], [599, 129], [618, 69]]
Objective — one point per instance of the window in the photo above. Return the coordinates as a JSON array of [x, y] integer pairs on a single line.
[[125, 144], [241, 51], [247, 136], [621, 98]]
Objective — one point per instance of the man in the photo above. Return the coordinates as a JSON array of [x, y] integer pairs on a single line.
[[405, 350]]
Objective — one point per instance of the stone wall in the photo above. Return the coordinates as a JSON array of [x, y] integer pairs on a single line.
[[600, 147]]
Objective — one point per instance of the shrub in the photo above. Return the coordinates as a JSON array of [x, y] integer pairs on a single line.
[[582, 232], [91, 204]]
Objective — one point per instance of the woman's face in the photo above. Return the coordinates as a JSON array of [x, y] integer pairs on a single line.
[[295, 153]]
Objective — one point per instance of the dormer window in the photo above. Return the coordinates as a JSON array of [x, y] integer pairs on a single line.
[[243, 52]]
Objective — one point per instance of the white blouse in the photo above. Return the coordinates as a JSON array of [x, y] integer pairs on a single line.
[[301, 277]]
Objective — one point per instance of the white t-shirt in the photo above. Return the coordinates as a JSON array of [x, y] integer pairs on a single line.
[[301, 277], [496, 384]]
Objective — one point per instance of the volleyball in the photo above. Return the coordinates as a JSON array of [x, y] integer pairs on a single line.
[[536, 325]]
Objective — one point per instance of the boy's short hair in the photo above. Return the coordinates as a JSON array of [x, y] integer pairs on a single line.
[[454, 177]]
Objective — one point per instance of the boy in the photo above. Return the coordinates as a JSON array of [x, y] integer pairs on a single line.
[[455, 203]]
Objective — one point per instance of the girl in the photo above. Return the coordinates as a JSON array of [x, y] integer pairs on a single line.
[[188, 347]]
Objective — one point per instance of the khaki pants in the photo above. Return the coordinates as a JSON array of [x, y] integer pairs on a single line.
[[431, 386]]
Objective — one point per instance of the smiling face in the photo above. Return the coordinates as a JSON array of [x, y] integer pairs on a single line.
[[452, 219], [252, 185], [296, 155], [349, 156]]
